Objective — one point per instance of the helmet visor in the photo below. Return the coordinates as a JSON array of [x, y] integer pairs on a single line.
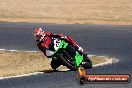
[[37, 37]]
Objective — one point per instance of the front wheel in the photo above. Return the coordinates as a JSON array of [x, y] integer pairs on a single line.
[[66, 59]]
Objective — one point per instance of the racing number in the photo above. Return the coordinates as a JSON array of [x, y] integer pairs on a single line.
[[56, 43]]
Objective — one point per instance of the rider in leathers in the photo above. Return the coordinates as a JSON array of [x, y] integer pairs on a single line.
[[44, 40]]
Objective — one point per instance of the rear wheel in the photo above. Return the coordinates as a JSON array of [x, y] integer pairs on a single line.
[[67, 60]]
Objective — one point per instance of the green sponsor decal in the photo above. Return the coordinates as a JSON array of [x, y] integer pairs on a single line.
[[63, 44]]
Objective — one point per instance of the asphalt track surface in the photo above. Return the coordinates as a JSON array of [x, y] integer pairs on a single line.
[[109, 40]]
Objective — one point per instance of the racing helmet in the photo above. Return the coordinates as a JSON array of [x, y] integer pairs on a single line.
[[38, 34]]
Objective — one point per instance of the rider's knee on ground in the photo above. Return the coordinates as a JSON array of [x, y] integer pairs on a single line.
[[55, 64], [87, 65]]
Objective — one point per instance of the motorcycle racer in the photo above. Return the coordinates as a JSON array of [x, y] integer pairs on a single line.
[[44, 40]]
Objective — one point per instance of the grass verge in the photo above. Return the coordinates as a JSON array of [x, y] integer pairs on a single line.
[[17, 63], [67, 11]]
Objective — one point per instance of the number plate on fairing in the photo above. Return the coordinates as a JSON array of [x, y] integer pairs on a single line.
[[56, 43]]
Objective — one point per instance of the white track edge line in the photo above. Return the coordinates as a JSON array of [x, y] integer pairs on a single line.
[[36, 73]]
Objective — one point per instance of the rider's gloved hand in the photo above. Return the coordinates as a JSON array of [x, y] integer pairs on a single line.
[[80, 49]]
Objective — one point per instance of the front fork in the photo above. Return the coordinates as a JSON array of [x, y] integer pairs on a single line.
[[77, 57]]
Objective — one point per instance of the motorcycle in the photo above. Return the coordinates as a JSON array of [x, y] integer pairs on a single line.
[[66, 54]]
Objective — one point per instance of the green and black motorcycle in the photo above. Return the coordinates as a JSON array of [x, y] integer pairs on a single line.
[[66, 54]]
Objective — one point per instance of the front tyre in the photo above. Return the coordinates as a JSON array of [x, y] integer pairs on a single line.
[[64, 57]]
